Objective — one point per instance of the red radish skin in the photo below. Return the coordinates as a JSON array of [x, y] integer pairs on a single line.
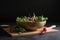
[[31, 19], [44, 31]]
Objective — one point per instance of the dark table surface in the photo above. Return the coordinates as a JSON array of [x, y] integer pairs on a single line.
[[47, 36]]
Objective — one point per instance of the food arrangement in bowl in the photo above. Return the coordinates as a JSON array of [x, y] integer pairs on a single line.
[[31, 23], [29, 26]]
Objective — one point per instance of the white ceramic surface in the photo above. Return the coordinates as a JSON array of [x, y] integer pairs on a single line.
[[41, 24]]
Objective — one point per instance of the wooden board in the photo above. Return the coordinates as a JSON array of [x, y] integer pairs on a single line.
[[27, 33]]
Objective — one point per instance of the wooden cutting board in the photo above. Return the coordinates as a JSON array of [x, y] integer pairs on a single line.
[[27, 33]]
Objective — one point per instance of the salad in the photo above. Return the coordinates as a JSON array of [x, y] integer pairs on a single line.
[[31, 19]]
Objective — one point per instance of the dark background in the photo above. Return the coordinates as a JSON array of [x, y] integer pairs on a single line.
[[10, 9]]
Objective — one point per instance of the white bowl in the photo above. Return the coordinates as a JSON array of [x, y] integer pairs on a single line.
[[41, 23]]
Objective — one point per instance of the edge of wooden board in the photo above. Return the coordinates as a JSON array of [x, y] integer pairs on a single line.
[[27, 33]]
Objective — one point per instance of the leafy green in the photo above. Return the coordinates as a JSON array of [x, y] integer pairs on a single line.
[[20, 29], [17, 29], [41, 18], [12, 28], [37, 18]]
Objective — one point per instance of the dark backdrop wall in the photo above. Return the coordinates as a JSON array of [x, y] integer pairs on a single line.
[[10, 9]]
